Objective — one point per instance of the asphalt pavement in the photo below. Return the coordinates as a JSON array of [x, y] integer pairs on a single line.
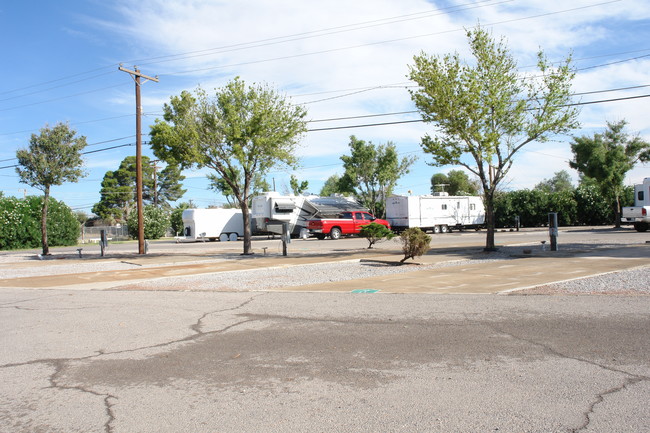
[[80, 358]]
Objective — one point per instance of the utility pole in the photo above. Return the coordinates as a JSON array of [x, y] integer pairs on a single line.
[[138, 150]]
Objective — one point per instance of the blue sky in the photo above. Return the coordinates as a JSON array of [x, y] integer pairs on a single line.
[[341, 59]]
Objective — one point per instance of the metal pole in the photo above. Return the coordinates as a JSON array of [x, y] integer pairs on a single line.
[[552, 229], [286, 237]]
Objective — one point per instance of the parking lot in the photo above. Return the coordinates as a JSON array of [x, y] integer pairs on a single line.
[[129, 343]]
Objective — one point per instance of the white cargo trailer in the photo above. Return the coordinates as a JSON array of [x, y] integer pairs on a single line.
[[435, 213], [212, 224], [270, 210]]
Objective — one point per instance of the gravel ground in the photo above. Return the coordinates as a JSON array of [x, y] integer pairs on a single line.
[[290, 276], [628, 282]]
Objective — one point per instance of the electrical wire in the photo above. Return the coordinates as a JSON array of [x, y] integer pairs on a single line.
[[327, 51]]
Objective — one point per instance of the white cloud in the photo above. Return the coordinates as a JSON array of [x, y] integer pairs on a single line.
[[294, 54]]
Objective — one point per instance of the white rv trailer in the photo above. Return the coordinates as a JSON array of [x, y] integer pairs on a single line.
[[270, 210], [212, 224], [437, 213]]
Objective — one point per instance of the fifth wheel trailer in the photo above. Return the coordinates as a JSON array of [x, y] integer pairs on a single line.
[[436, 213], [212, 224], [270, 210]]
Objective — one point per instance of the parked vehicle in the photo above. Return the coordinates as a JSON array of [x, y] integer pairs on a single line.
[[639, 214], [348, 223], [436, 213], [212, 224], [270, 211]]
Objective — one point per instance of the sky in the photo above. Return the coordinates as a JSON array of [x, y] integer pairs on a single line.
[[346, 62]]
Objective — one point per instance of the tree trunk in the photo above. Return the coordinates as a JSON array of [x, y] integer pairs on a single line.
[[490, 223], [46, 199], [617, 212], [247, 228]]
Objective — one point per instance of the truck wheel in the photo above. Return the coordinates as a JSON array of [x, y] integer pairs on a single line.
[[444, 229], [436, 229], [335, 233], [641, 227]]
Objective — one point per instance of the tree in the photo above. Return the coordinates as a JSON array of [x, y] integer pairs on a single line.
[[414, 243], [118, 191], [156, 222], [371, 172], [561, 181], [606, 158], [332, 186], [241, 129], [176, 218], [488, 111], [220, 185], [168, 186], [456, 182], [53, 157], [439, 183], [375, 232], [298, 187]]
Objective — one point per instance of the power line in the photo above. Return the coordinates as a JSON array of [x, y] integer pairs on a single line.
[[244, 45], [420, 120], [317, 33], [387, 41], [61, 97]]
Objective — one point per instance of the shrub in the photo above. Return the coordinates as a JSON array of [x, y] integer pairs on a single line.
[[374, 233], [20, 223], [414, 243], [156, 222]]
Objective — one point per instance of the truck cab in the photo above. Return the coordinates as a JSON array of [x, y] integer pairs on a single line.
[[639, 214]]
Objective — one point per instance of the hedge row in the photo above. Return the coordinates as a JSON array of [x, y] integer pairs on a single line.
[[20, 223], [581, 206]]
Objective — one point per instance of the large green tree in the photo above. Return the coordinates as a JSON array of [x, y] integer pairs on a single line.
[[220, 185], [486, 111], [52, 158], [561, 181], [298, 187], [606, 158], [245, 129], [332, 186], [456, 182], [372, 171], [118, 188]]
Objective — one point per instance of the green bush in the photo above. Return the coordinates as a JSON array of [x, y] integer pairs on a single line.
[[20, 223], [374, 233], [582, 206], [414, 243], [564, 203], [594, 208], [156, 223]]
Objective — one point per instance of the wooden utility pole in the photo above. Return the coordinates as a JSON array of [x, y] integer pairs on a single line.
[[138, 150]]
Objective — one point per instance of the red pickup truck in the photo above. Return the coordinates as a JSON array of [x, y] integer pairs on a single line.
[[347, 224]]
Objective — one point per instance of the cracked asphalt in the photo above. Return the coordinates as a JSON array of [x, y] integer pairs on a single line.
[[107, 361], [122, 361]]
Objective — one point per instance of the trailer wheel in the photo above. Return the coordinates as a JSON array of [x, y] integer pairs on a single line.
[[223, 237], [335, 233], [444, 229], [436, 229], [232, 237]]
